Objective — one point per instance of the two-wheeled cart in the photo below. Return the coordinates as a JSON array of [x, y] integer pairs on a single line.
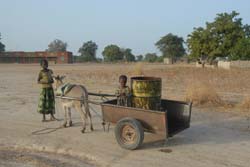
[[131, 123]]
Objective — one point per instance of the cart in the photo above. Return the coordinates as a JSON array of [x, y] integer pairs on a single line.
[[131, 123]]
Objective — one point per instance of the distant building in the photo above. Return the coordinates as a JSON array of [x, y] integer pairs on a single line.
[[36, 57], [234, 64], [176, 60], [168, 61]]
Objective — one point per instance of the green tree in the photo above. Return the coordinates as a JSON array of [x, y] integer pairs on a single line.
[[171, 46], [159, 59], [139, 58], [99, 60], [2, 46], [151, 57], [88, 51], [241, 51], [127, 55], [201, 44], [57, 46], [218, 38], [247, 30], [112, 53]]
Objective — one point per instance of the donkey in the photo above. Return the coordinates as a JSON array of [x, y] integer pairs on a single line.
[[79, 92]]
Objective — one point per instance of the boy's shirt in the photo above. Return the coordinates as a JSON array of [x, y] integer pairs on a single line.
[[120, 91], [123, 96]]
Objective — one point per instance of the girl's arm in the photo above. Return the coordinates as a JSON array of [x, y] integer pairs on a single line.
[[51, 80], [39, 78]]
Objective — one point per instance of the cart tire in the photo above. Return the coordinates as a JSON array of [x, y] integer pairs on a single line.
[[129, 133]]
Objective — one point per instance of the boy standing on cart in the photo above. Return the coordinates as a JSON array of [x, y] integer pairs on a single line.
[[123, 92]]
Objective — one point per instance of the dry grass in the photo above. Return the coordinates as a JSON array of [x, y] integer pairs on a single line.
[[245, 104], [202, 93], [202, 86], [138, 69]]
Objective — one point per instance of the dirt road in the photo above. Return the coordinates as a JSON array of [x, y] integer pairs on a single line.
[[24, 158], [214, 139]]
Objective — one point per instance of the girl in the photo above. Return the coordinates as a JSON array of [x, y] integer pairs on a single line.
[[46, 103]]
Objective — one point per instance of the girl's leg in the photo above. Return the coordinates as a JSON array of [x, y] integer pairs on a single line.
[[52, 108]]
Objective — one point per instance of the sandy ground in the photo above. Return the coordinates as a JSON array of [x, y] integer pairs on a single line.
[[215, 138], [24, 158]]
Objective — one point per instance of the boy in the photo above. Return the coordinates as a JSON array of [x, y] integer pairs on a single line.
[[123, 92], [46, 103]]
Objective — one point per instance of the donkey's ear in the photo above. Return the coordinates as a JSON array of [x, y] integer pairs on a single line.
[[62, 77], [57, 77]]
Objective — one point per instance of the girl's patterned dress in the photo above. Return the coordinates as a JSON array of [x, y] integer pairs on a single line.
[[46, 103]]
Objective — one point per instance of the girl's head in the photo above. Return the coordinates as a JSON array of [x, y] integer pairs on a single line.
[[123, 80], [44, 64]]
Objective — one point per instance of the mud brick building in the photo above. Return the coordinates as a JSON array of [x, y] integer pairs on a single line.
[[36, 57]]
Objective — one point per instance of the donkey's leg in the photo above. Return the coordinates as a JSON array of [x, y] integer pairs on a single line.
[[65, 116], [86, 107], [69, 114], [90, 119], [83, 117]]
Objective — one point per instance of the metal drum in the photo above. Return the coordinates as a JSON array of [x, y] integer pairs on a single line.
[[146, 92]]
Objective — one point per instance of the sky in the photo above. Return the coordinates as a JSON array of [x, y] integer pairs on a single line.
[[30, 25]]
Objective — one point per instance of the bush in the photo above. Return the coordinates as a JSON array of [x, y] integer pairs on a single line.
[[202, 93], [245, 104]]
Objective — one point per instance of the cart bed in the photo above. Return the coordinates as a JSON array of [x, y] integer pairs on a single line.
[[174, 117]]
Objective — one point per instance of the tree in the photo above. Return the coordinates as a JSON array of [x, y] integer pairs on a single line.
[[151, 57], [127, 55], [201, 44], [247, 30], [139, 58], [112, 53], [57, 46], [88, 51], [218, 38], [160, 59], [171, 46], [2, 46], [241, 51]]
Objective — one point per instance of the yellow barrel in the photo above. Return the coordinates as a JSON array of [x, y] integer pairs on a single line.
[[146, 92]]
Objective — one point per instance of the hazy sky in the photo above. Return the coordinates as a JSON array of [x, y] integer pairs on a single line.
[[29, 25]]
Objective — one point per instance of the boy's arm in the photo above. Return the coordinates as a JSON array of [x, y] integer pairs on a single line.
[[117, 93], [128, 91]]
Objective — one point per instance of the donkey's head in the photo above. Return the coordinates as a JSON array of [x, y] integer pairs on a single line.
[[58, 80]]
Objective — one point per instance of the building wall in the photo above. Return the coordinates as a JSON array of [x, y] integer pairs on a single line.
[[64, 57], [232, 64], [36, 57], [168, 61], [224, 64]]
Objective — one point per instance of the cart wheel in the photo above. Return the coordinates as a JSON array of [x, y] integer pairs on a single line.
[[129, 133]]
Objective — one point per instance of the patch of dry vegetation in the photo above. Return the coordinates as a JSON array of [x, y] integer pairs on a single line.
[[138, 69], [217, 87], [202, 93], [245, 103]]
